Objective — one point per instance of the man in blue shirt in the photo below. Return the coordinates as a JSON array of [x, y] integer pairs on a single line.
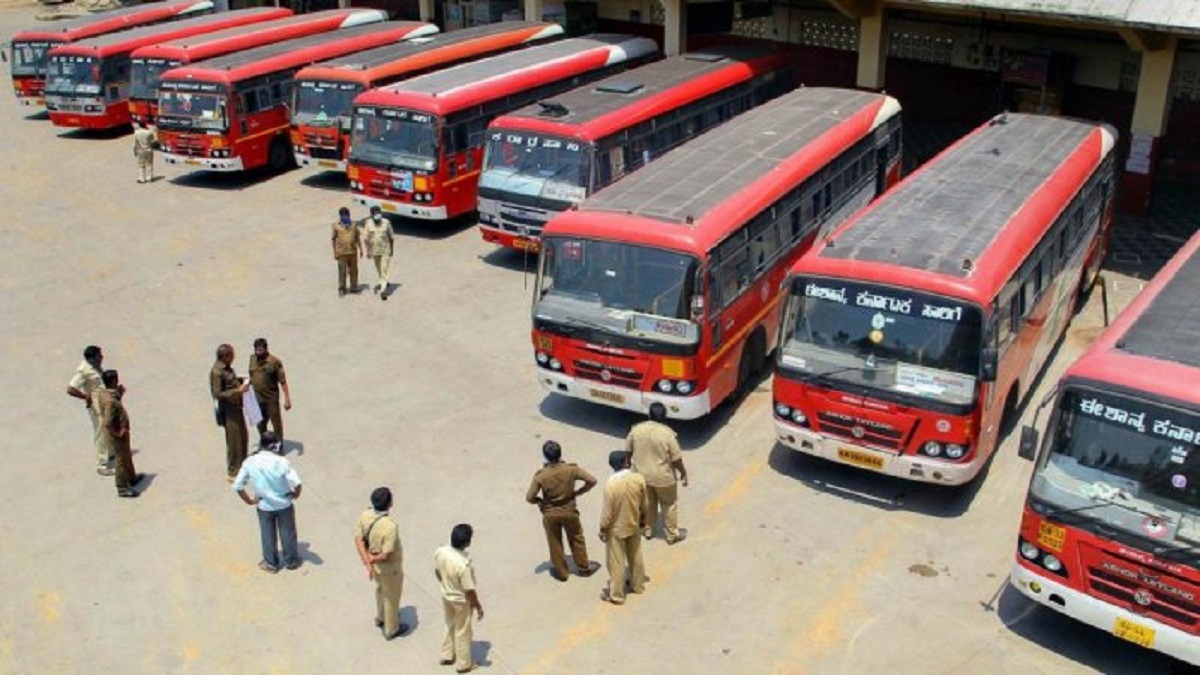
[[274, 486]]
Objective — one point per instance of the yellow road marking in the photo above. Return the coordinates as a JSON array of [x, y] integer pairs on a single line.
[[734, 490], [49, 603]]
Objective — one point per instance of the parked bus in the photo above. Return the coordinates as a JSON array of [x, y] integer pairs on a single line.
[[87, 82], [543, 159], [231, 113], [30, 49], [416, 146], [149, 63], [912, 331], [1110, 535], [324, 91], [665, 287]]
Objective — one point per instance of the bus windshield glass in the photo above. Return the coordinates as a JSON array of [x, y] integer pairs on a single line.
[[390, 137], [29, 58], [1129, 463], [145, 76], [68, 74], [322, 104], [534, 165], [891, 339], [192, 109], [623, 288]]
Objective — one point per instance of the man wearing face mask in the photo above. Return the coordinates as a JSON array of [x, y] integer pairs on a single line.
[[347, 249], [377, 232]]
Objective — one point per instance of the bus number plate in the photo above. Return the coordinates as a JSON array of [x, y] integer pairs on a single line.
[[1134, 632], [606, 395], [390, 208], [326, 163], [867, 460], [1052, 536], [524, 244]]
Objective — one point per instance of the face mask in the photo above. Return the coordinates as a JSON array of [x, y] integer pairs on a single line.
[[345, 220], [377, 218]]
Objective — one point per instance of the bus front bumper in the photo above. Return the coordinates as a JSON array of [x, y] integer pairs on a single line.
[[1107, 617], [206, 163], [843, 451], [320, 164], [402, 209], [678, 407], [25, 99]]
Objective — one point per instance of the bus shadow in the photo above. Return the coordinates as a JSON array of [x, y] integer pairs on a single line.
[[39, 116], [432, 230], [95, 134], [511, 259], [327, 180], [222, 180]]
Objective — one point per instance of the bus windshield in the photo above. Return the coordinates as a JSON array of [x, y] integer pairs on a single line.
[[534, 165], [145, 76], [69, 74], [29, 58], [390, 137], [624, 288], [192, 110], [321, 104], [884, 338], [1129, 463]]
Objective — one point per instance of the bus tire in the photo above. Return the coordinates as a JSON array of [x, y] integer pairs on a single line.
[[751, 364], [1008, 418], [279, 155]]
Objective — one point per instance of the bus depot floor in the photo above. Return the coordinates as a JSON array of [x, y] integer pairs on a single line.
[[791, 565]]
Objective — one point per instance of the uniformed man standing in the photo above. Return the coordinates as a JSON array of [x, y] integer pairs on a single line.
[[347, 249], [377, 539], [144, 139], [555, 482], [452, 567], [658, 458], [267, 377], [87, 384], [116, 427], [377, 233], [227, 389], [622, 517]]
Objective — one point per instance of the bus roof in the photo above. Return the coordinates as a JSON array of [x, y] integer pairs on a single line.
[[620, 101], [199, 47], [389, 61], [687, 198], [1154, 346], [289, 54], [451, 89], [128, 40], [100, 23], [959, 221]]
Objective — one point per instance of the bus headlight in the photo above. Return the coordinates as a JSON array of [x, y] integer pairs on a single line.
[[799, 417], [542, 358], [683, 387], [955, 451], [665, 386], [1052, 563], [783, 410], [1028, 551], [555, 364], [932, 448]]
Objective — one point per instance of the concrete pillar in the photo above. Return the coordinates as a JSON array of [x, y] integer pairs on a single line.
[[675, 27], [1150, 113], [533, 10], [872, 49], [425, 10]]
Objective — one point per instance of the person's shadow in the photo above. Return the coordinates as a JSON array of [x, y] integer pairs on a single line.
[[289, 446], [410, 616], [307, 554], [480, 649]]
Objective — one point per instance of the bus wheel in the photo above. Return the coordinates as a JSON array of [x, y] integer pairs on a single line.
[[279, 157], [751, 363], [1008, 418]]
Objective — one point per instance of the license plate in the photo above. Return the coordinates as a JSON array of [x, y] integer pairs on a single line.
[[523, 244], [867, 460], [193, 162], [606, 395], [327, 163], [72, 120], [388, 207], [1134, 632], [1051, 536]]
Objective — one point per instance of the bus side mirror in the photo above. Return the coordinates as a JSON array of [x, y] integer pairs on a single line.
[[1029, 442], [987, 366], [4, 55], [697, 308]]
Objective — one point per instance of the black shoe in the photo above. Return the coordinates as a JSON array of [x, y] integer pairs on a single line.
[[294, 565], [128, 493], [379, 623], [591, 569], [400, 630], [554, 574], [137, 478]]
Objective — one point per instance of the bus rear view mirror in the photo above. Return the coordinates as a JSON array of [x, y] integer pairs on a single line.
[[1029, 441], [987, 368]]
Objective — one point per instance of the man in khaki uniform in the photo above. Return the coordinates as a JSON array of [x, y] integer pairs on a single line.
[[378, 541], [622, 517], [556, 482], [227, 389], [87, 385], [116, 427], [657, 456], [268, 377], [452, 567], [143, 149], [347, 249], [377, 234]]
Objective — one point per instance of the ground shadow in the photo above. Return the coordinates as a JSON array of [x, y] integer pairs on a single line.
[[157, 178], [434, 230], [39, 116], [511, 259], [223, 180], [145, 483], [409, 615], [289, 446], [96, 134], [480, 652], [308, 555], [333, 181], [391, 288]]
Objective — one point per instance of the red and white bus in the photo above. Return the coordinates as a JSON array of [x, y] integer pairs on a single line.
[[231, 113], [149, 63], [87, 82], [30, 49], [1110, 535], [665, 286], [324, 91], [416, 146], [912, 330], [545, 158]]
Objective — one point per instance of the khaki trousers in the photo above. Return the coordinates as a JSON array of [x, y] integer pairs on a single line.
[[145, 167], [555, 525], [383, 266], [237, 439], [124, 462], [273, 413], [389, 583], [348, 266], [667, 498], [104, 453], [625, 557], [456, 646]]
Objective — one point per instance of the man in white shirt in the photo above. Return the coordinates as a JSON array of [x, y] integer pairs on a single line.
[[86, 385], [275, 486], [456, 576]]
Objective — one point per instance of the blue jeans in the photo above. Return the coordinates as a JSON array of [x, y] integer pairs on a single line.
[[282, 522]]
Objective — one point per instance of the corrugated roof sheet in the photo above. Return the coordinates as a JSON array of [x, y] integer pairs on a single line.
[[1168, 16]]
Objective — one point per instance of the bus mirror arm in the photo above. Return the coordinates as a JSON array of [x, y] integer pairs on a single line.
[[1029, 442]]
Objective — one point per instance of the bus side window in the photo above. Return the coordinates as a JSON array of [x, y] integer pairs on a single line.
[[250, 101], [796, 231], [617, 162]]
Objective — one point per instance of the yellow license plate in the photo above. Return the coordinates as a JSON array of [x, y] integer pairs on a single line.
[[606, 395], [327, 163], [1051, 536], [193, 162], [867, 460], [1134, 632], [387, 207], [523, 244]]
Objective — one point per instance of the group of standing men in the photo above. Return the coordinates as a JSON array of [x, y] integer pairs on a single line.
[[101, 392], [350, 240], [268, 379]]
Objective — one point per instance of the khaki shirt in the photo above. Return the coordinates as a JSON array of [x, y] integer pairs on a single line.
[[87, 380], [655, 448], [454, 572], [625, 505], [143, 142], [266, 376], [223, 383], [377, 238], [556, 482], [345, 239], [113, 412], [383, 538]]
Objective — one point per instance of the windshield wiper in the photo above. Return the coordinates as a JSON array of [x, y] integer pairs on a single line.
[[826, 375], [1103, 501]]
